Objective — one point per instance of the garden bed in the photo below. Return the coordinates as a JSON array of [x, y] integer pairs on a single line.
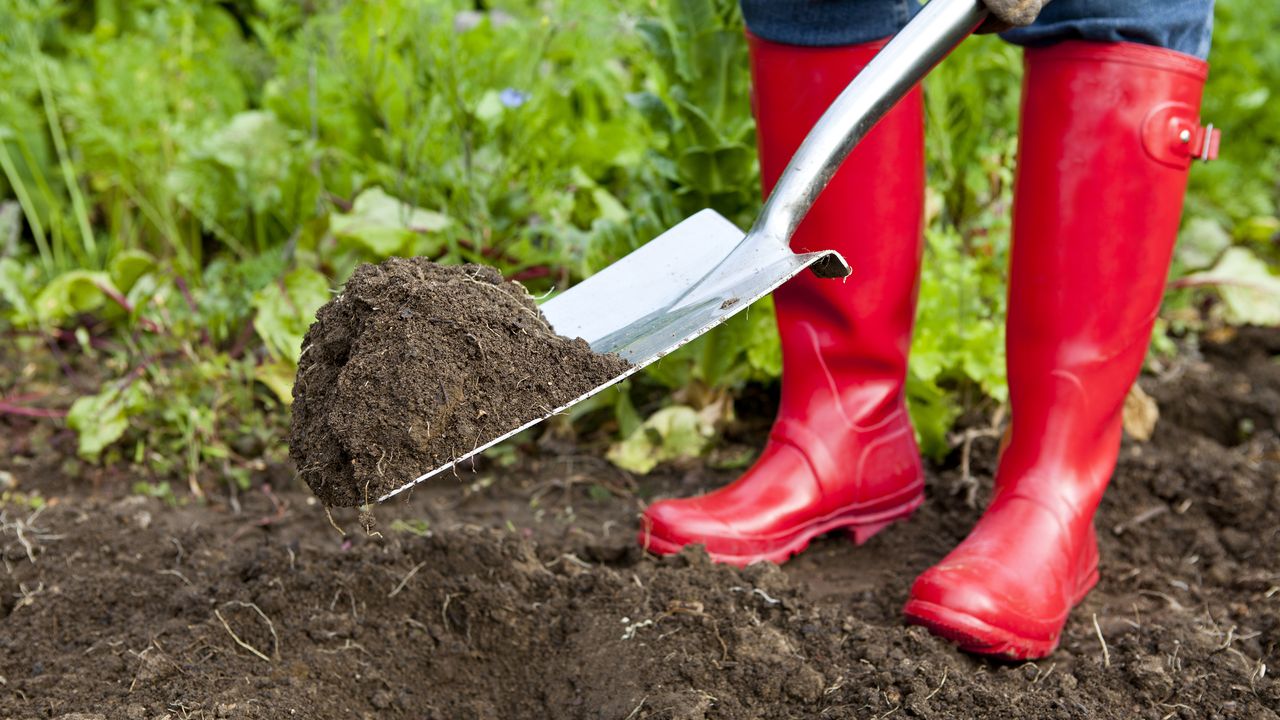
[[519, 593]]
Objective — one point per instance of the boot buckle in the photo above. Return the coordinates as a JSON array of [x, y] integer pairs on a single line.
[[1172, 135], [1202, 142]]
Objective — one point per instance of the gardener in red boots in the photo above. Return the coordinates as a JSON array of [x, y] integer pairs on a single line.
[[1110, 127]]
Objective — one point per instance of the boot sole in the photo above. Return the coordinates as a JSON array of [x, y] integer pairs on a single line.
[[861, 526], [977, 636]]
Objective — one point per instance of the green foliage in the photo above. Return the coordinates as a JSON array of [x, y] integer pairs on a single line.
[[72, 293], [162, 491], [179, 391], [1250, 291], [284, 311], [701, 102], [187, 183], [17, 289], [959, 334], [957, 352], [384, 226], [971, 101], [699, 105], [673, 433], [1241, 189], [100, 420], [231, 178], [418, 526], [1229, 249]]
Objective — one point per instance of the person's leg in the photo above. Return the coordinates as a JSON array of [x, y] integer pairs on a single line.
[[1184, 26], [826, 23], [842, 453], [1109, 131]]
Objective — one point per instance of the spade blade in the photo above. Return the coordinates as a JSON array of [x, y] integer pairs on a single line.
[[664, 294]]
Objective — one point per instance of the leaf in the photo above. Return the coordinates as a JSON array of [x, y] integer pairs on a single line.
[[607, 205], [1140, 414], [1259, 229], [718, 360], [72, 293], [490, 108], [659, 42], [100, 420], [1250, 293], [652, 109], [764, 351], [278, 376], [241, 143], [1201, 242], [717, 55], [692, 17], [251, 168], [932, 413], [11, 221], [624, 411], [128, 266], [676, 432], [705, 134], [384, 225], [1254, 100], [285, 312], [15, 289]]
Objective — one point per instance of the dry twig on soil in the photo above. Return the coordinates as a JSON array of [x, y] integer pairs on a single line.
[[967, 483], [1106, 654], [275, 639], [406, 578]]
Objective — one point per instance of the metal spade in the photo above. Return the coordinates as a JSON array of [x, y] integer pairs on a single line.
[[704, 270]]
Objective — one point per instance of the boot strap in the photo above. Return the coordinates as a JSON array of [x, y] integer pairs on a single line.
[[1173, 135]]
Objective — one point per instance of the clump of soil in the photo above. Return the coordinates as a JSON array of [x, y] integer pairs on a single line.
[[415, 364]]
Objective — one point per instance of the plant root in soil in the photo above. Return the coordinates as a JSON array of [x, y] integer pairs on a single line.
[[416, 364]]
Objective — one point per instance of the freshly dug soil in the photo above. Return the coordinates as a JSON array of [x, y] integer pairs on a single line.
[[520, 593], [415, 364]]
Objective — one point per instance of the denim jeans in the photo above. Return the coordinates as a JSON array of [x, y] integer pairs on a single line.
[[1181, 25]]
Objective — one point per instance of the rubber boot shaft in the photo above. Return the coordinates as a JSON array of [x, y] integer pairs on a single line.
[[1098, 196], [842, 452]]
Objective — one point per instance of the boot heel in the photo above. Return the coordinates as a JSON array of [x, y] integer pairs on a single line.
[[859, 534], [862, 532]]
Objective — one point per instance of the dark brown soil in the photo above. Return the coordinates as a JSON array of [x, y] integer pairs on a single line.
[[519, 593], [416, 364]]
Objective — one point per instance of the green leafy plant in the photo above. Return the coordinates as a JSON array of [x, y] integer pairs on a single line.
[[182, 184]]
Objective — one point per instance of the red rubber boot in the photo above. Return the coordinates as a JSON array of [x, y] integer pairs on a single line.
[[842, 453], [1109, 131]]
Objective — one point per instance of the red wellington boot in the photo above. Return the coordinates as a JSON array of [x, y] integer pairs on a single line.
[[1108, 133], [842, 453]]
